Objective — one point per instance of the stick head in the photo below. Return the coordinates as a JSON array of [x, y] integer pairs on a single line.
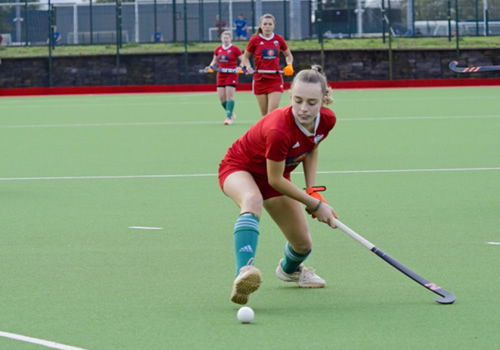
[[447, 297]]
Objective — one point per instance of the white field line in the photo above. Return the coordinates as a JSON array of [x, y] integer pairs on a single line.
[[118, 177], [493, 243], [145, 228], [79, 125], [46, 343]]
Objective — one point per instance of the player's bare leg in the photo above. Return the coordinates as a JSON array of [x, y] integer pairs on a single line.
[[263, 102], [221, 92], [273, 101], [242, 189], [289, 216], [230, 116]]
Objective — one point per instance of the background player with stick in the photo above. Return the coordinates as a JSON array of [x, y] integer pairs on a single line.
[[266, 46], [225, 56]]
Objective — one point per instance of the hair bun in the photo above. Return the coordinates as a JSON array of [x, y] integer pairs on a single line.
[[317, 68]]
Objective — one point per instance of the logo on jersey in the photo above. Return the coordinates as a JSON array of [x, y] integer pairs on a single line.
[[269, 54], [223, 58], [318, 138], [276, 42], [297, 159]]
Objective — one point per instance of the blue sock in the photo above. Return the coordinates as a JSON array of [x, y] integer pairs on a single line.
[[246, 235], [292, 260]]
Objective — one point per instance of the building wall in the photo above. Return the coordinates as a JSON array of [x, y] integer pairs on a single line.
[[164, 69]]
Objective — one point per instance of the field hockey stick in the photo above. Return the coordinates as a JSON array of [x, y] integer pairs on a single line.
[[446, 297], [265, 71], [453, 67], [241, 71]]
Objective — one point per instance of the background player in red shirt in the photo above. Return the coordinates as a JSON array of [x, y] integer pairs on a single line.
[[225, 56], [266, 46], [255, 174]]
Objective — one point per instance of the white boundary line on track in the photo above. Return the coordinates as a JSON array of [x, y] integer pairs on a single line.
[[82, 125], [116, 177], [46, 343]]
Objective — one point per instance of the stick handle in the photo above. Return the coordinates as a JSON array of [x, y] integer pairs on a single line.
[[265, 71], [241, 71], [353, 234]]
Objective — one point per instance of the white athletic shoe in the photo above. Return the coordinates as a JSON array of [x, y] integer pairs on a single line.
[[229, 121], [305, 277], [248, 281]]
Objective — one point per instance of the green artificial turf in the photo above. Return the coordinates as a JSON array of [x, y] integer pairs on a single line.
[[415, 171]]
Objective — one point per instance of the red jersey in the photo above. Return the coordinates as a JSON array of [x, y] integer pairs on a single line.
[[266, 52], [278, 136], [227, 56]]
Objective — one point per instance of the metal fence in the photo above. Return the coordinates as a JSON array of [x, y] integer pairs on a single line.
[[145, 21]]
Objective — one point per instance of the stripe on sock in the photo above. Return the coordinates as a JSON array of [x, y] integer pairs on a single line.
[[292, 260], [247, 223], [294, 256]]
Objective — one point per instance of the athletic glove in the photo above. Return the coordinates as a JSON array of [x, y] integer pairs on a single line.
[[209, 69], [288, 70], [313, 192]]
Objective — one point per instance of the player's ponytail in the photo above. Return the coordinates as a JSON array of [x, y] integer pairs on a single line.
[[315, 75]]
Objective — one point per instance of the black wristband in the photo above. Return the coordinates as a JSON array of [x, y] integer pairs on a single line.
[[318, 206]]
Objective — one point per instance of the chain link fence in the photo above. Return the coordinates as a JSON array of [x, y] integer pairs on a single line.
[[87, 22]]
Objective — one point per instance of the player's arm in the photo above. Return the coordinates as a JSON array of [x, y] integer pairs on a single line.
[[321, 210], [209, 69], [310, 165], [288, 70], [282, 185], [240, 58], [245, 62], [214, 61], [288, 57]]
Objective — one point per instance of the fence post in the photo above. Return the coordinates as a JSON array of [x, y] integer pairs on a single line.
[[285, 16], [411, 17], [91, 23], [456, 29], [382, 10], [449, 20], [118, 40], [349, 17], [155, 29], [477, 17], [174, 21], [200, 16], [253, 14], [486, 19], [319, 21], [51, 41], [219, 22], [185, 44], [390, 38], [26, 20]]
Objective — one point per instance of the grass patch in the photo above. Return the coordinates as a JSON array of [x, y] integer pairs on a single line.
[[329, 44]]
